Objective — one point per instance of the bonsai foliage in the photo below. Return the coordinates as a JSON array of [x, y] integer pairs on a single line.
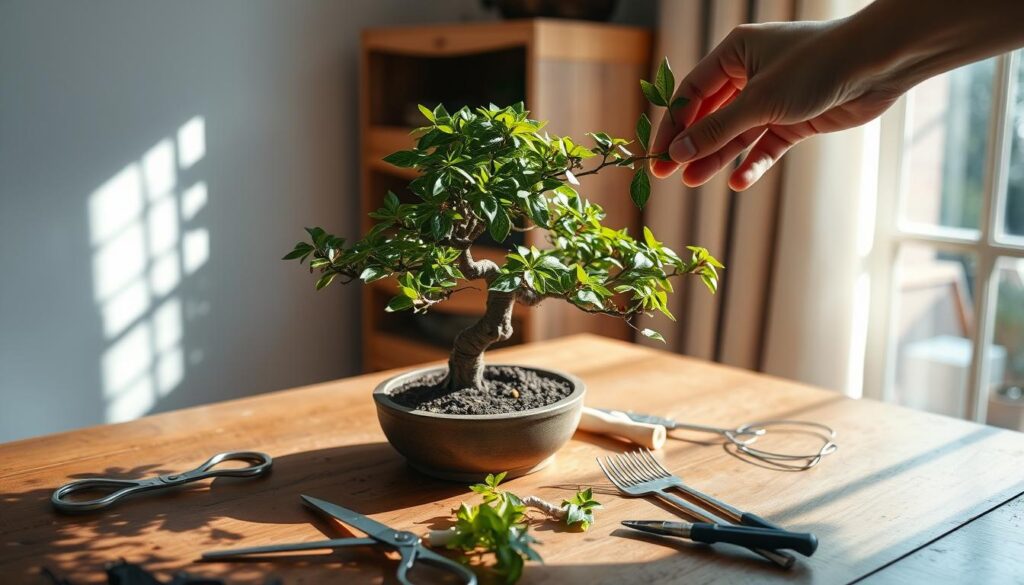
[[499, 525], [493, 171]]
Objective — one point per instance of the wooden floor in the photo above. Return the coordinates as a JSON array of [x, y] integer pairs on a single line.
[[899, 502]]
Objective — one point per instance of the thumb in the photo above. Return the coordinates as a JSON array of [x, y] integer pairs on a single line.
[[714, 131]]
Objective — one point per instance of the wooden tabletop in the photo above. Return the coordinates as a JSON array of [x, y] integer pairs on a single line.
[[900, 480]]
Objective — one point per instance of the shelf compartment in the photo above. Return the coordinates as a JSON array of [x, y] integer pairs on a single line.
[[401, 81], [386, 351]]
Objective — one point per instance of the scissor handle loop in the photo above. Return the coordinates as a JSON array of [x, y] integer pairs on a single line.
[[261, 463], [417, 552], [123, 487], [126, 487]]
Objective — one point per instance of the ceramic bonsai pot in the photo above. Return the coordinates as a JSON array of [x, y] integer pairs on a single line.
[[465, 448]]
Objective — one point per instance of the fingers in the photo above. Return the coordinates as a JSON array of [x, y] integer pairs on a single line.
[[767, 151], [717, 129], [700, 171], [715, 78]]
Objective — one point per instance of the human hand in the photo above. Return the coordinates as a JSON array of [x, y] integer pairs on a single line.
[[769, 86]]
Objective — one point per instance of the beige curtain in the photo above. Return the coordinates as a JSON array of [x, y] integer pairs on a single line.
[[786, 300]]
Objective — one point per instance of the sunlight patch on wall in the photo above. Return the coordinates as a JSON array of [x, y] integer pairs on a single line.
[[144, 246]]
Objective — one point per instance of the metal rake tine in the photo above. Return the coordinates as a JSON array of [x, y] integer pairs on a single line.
[[611, 477], [623, 460], [637, 469], [651, 469], [650, 457], [626, 476]]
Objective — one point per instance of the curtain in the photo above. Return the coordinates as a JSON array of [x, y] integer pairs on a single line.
[[787, 300]]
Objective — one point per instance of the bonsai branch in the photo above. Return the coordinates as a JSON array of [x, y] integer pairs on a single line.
[[474, 269], [608, 161]]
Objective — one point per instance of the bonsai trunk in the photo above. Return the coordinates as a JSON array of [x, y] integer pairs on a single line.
[[466, 363]]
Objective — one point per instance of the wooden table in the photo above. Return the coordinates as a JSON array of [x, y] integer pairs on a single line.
[[902, 481]]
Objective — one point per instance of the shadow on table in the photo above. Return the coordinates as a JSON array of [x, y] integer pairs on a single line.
[[370, 478]]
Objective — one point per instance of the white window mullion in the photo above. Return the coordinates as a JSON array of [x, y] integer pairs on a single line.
[[995, 184], [879, 364]]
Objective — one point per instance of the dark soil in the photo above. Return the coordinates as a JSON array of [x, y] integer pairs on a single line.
[[508, 389]]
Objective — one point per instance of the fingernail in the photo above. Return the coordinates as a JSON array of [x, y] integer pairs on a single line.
[[682, 150]]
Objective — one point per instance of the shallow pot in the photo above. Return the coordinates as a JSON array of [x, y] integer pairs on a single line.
[[461, 447]]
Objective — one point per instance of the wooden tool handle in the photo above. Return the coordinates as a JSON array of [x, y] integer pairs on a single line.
[[643, 434]]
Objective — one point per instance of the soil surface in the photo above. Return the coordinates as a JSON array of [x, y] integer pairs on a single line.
[[508, 389]]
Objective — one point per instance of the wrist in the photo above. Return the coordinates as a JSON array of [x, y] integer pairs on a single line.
[[903, 42], [881, 45]]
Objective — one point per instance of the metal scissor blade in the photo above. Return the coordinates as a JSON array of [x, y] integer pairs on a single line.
[[369, 526], [293, 547], [659, 527]]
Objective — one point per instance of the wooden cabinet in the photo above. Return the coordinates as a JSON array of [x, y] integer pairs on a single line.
[[582, 77]]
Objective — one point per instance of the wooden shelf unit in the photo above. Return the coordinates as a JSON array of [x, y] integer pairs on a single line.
[[581, 76]]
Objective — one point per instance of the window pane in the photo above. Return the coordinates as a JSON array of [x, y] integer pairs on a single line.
[[1006, 353], [946, 146], [1013, 210], [933, 329]]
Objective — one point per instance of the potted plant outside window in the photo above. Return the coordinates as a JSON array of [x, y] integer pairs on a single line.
[[493, 170]]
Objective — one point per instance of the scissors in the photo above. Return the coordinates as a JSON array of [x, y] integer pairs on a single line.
[[261, 463], [408, 545]]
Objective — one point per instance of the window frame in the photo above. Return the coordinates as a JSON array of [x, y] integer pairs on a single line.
[[987, 246]]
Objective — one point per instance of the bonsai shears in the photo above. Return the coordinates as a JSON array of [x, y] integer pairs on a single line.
[[260, 463], [409, 546]]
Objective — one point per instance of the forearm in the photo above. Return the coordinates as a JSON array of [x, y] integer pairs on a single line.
[[908, 41]]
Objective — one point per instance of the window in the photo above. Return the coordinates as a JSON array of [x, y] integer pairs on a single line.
[[948, 329]]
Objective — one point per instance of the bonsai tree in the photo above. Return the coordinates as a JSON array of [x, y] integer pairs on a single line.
[[493, 171]]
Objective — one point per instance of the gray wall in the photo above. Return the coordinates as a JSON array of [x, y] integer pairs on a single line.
[[94, 325], [156, 160]]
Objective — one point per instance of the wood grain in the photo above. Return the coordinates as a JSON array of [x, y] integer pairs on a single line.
[[899, 480], [987, 550]]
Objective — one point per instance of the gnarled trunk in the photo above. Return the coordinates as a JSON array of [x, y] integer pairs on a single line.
[[466, 363]]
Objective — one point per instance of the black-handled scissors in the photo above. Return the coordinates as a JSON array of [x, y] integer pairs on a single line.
[[408, 545], [122, 488]]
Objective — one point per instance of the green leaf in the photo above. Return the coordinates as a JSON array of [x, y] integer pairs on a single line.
[[403, 158], [581, 275], [664, 81], [651, 93], [643, 131], [318, 235], [500, 225], [391, 201], [506, 283], [399, 303], [679, 102], [588, 297], [650, 240], [539, 212], [426, 113], [640, 187], [325, 280], [652, 334], [372, 273], [301, 249], [710, 281]]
